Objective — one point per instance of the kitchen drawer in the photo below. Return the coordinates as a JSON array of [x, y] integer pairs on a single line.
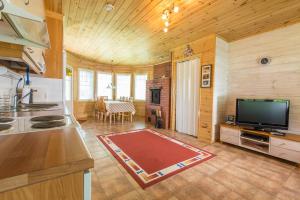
[[286, 154], [230, 131], [230, 139], [285, 144]]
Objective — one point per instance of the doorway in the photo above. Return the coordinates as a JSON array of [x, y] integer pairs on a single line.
[[187, 96], [68, 94]]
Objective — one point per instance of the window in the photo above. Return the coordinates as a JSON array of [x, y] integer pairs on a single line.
[[123, 85], [140, 86], [104, 84], [86, 84]]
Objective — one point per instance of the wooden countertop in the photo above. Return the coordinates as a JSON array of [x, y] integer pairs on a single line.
[[287, 136], [29, 158]]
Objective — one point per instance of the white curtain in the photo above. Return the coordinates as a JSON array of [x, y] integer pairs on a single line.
[[187, 96]]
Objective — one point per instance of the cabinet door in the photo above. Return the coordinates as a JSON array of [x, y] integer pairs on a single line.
[[230, 135], [230, 131], [285, 144], [286, 154]]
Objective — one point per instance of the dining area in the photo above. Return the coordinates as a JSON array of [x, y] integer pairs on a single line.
[[113, 111]]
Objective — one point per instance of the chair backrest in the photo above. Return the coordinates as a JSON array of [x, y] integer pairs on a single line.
[[101, 104], [104, 97]]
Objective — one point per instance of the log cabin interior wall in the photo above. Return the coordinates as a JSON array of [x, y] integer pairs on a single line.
[[84, 109], [205, 49], [220, 86], [279, 79], [54, 55]]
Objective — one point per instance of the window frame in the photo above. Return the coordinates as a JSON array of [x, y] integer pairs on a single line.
[[112, 81], [140, 74], [93, 86], [116, 84]]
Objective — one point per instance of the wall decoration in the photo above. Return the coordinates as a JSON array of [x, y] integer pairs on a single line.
[[265, 60], [188, 51], [205, 76]]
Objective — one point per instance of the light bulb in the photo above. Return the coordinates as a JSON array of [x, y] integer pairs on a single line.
[[176, 9], [167, 23], [164, 16], [165, 29]]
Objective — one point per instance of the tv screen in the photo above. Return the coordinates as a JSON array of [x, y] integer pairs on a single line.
[[259, 113]]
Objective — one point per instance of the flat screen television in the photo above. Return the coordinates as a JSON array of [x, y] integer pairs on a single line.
[[263, 114]]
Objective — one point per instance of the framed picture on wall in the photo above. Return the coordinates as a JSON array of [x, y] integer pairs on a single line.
[[205, 76]]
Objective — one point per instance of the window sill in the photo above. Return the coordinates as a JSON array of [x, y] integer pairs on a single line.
[[86, 101], [139, 101]]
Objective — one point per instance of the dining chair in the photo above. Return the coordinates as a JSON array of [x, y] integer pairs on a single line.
[[127, 115], [101, 108], [105, 98], [96, 110]]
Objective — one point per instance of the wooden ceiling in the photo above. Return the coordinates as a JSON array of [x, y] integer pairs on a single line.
[[132, 33]]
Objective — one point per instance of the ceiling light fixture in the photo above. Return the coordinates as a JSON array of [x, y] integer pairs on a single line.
[[176, 9], [109, 7], [167, 13]]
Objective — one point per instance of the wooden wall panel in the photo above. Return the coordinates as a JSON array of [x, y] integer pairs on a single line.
[[279, 79], [203, 48], [85, 109], [68, 187], [220, 86], [54, 55]]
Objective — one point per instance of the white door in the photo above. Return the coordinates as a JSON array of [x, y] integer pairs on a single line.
[[68, 90], [187, 96]]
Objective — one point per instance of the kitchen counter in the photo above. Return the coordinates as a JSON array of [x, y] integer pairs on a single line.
[[30, 158]]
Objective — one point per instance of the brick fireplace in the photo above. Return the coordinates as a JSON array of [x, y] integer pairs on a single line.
[[158, 88]]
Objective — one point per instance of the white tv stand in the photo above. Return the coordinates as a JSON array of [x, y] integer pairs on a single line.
[[286, 147]]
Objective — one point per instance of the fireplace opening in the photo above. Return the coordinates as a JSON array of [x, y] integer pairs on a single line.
[[155, 96]]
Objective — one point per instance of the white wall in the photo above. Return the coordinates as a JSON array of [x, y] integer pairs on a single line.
[[279, 79], [220, 85], [49, 90]]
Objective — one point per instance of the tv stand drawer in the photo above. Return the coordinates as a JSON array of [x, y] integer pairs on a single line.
[[230, 135], [230, 139], [290, 155], [229, 131], [285, 144]]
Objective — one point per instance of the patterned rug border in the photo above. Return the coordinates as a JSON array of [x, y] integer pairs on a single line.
[[133, 174]]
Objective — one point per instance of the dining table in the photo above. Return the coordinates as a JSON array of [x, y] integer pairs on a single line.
[[119, 107]]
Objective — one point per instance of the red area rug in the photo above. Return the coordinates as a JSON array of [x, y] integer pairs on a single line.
[[151, 157]]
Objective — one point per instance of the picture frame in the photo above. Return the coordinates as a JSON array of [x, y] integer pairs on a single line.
[[206, 76]]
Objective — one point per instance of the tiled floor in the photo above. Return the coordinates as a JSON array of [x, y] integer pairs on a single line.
[[234, 174]]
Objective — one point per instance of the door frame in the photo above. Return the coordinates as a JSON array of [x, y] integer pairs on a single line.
[[72, 86], [174, 91]]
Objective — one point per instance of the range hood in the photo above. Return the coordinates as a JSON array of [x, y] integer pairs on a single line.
[[22, 56], [23, 22]]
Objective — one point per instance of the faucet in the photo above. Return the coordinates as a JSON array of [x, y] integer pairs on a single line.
[[18, 100]]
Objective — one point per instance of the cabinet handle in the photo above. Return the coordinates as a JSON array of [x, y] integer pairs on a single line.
[[204, 126]]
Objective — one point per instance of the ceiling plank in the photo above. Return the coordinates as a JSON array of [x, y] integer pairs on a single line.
[[132, 33]]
